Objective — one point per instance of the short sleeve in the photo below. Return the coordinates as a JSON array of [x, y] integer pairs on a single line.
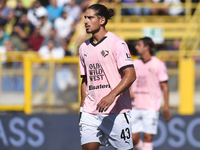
[[82, 64], [122, 55], [162, 72]]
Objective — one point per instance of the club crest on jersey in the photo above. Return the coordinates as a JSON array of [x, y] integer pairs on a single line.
[[151, 70], [104, 53]]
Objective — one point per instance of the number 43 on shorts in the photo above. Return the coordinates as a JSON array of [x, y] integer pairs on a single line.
[[125, 134]]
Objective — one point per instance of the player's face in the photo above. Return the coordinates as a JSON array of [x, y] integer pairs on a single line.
[[140, 47], [92, 22]]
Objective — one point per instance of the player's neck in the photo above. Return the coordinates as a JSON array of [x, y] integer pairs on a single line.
[[146, 57], [96, 37]]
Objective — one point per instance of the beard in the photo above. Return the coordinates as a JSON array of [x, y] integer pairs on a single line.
[[92, 31]]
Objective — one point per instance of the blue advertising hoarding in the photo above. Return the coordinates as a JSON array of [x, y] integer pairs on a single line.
[[61, 132]]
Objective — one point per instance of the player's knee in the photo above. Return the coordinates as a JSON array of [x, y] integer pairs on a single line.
[[135, 140], [148, 138]]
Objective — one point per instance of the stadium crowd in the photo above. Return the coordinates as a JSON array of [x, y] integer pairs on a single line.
[[168, 9], [48, 25], [39, 28]]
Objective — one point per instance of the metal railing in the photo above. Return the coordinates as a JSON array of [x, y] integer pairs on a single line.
[[47, 74], [28, 73]]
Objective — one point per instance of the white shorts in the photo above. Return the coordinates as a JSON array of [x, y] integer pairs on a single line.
[[145, 121], [114, 130]]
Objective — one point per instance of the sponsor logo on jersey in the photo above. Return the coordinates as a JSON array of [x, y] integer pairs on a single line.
[[91, 87], [104, 53], [85, 55], [128, 56], [95, 72]]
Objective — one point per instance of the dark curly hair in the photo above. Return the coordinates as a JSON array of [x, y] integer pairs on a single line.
[[149, 42], [102, 11]]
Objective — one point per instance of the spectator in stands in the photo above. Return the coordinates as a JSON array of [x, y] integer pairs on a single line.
[[169, 8], [64, 25], [51, 51], [19, 10], [65, 47], [8, 47], [84, 5], [10, 22], [53, 10], [157, 10], [24, 28], [61, 3], [36, 39], [145, 10], [107, 1], [52, 36], [22, 31], [15, 82], [3, 35], [45, 24], [175, 45], [131, 11], [33, 11], [175, 7], [27, 47], [28, 3], [73, 10], [4, 10], [44, 2]]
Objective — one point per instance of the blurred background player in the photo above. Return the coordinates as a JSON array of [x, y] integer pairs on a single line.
[[107, 71], [146, 94]]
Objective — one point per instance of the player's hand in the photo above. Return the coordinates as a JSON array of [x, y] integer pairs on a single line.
[[81, 110], [167, 114], [80, 116], [105, 102]]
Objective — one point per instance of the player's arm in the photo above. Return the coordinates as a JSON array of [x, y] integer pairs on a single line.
[[83, 76], [83, 93], [131, 93], [128, 78], [83, 90], [165, 89]]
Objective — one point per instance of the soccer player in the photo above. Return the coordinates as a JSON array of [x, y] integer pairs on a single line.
[[146, 94], [107, 72]]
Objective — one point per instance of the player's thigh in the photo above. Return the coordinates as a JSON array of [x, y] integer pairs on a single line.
[[89, 130], [117, 129], [91, 146], [150, 121], [136, 138], [136, 121]]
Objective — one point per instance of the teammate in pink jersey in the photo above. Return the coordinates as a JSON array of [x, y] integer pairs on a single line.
[[146, 94], [107, 72]]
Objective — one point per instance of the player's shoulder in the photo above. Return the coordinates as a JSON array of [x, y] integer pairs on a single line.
[[85, 44], [137, 60], [159, 63], [156, 60], [115, 38]]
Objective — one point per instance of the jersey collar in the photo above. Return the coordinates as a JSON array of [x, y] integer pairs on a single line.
[[145, 61], [95, 44]]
